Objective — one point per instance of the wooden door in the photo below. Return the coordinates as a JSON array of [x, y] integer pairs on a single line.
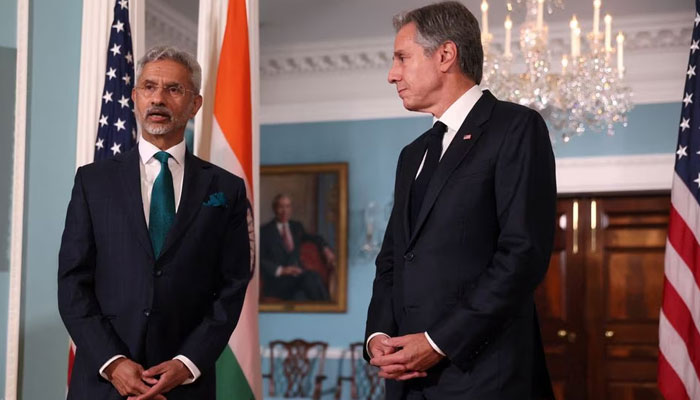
[[559, 305], [599, 303], [626, 255]]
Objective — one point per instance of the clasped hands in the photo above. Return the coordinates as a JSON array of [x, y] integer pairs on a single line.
[[130, 379], [403, 357]]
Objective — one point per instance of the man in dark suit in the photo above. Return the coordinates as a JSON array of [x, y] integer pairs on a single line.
[[452, 314], [155, 256], [284, 275]]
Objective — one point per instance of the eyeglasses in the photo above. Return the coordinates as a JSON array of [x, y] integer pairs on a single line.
[[175, 91]]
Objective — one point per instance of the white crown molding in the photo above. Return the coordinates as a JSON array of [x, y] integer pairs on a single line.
[[167, 26], [654, 33], [322, 81], [615, 173], [346, 80], [326, 56]]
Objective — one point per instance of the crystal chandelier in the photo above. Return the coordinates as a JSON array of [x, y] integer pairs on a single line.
[[588, 94]]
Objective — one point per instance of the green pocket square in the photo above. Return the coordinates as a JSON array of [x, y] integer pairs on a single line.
[[217, 199]]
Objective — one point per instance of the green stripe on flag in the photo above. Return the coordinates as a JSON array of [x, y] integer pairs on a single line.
[[231, 383]]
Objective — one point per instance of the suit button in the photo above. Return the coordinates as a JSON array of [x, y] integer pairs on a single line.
[[158, 272], [409, 256], [147, 312]]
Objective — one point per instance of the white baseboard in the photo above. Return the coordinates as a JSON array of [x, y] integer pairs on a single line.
[[332, 353]]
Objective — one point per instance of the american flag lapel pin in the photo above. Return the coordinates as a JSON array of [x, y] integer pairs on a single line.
[[467, 136]]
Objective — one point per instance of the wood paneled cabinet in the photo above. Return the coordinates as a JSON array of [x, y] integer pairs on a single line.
[[599, 303]]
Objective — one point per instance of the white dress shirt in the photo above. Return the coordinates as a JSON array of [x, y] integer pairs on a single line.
[[150, 168], [453, 118]]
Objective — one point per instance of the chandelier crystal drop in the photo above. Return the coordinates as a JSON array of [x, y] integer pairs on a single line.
[[589, 92]]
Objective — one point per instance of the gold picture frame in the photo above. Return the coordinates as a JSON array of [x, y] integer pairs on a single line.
[[303, 237]]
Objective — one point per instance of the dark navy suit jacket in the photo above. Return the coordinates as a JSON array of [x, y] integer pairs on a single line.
[[115, 297], [481, 244]]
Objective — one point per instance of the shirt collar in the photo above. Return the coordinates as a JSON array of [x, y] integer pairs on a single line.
[[457, 112], [148, 149]]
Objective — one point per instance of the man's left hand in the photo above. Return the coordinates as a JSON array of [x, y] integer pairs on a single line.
[[411, 361], [164, 377], [329, 256]]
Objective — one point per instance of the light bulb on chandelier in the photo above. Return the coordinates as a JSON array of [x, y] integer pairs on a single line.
[[588, 94]]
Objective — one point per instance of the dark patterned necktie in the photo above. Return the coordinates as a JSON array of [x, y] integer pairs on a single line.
[[420, 185], [162, 211]]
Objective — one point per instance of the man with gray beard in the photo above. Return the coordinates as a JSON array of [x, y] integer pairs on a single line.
[[155, 257]]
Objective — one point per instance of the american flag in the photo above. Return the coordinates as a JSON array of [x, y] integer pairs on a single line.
[[679, 320], [116, 131]]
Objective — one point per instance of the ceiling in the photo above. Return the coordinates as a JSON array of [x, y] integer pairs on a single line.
[[285, 22]]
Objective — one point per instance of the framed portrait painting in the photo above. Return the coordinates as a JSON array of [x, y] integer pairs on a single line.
[[303, 237]]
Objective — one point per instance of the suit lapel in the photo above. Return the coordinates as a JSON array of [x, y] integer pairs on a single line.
[[414, 156], [130, 175], [456, 152], [195, 185]]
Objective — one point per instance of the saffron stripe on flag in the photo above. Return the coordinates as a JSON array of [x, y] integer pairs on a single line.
[[233, 75]]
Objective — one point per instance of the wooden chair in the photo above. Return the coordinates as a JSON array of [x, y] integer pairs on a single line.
[[364, 380], [296, 368]]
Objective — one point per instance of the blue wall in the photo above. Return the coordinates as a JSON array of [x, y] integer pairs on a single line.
[[371, 148], [54, 64], [8, 23], [653, 128], [8, 58]]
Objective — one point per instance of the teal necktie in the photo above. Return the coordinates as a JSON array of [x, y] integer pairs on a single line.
[[162, 212]]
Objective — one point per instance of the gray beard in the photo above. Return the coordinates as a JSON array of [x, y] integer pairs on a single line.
[[157, 130], [160, 130]]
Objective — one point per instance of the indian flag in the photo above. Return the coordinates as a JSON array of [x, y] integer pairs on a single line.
[[226, 136]]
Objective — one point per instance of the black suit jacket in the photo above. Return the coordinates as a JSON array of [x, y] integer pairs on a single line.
[[116, 298], [272, 251], [273, 254], [467, 272]]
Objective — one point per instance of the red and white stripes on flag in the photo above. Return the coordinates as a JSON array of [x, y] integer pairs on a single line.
[[679, 320]]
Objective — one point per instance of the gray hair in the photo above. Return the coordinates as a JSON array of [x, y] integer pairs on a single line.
[[447, 21], [172, 53]]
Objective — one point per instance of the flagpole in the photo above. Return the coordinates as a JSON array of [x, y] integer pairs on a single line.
[[17, 216], [254, 32]]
